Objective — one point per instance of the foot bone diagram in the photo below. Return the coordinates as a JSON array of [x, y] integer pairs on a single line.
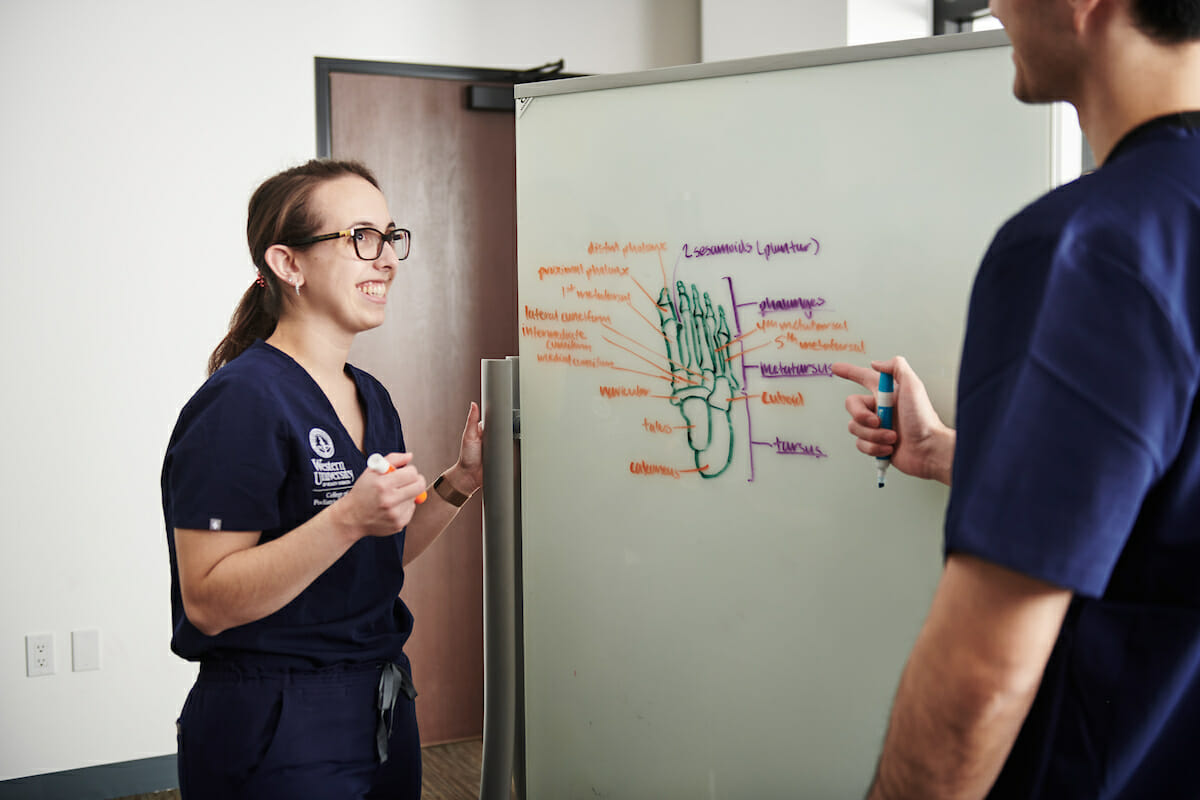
[[702, 382]]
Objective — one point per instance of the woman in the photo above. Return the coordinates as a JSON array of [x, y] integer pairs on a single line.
[[287, 553]]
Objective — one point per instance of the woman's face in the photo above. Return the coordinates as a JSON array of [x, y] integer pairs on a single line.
[[339, 287]]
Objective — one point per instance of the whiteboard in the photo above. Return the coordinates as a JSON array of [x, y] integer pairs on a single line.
[[718, 600]]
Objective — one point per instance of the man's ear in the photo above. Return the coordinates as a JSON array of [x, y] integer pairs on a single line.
[[1086, 13], [282, 261]]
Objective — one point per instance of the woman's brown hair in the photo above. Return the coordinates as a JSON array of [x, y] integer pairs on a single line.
[[279, 212]]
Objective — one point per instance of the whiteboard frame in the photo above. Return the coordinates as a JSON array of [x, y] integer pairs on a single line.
[[773, 63]]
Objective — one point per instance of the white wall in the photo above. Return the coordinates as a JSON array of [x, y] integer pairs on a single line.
[[870, 21], [133, 134], [746, 28]]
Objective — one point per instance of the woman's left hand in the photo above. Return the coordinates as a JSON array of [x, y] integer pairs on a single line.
[[470, 453]]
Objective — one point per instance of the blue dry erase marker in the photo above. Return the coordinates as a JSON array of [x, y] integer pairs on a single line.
[[886, 399]]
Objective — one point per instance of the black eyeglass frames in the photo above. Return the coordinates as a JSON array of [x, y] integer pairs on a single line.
[[368, 242]]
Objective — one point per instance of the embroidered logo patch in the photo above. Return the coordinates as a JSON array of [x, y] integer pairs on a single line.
[[321, 442]]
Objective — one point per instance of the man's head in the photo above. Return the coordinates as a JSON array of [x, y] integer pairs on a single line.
[[1045, 52], [1052, 38]]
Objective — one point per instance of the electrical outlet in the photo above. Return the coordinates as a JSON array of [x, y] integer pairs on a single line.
[[39, 654]]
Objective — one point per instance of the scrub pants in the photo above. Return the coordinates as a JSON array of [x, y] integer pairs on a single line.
[[248, 733]]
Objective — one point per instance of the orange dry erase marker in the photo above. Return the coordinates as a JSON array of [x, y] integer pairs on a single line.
[[383, 467]]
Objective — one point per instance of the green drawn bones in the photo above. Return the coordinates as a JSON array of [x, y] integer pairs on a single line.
[[702, 381]]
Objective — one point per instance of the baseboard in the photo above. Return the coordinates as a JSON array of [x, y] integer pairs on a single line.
[[103, 782], [108, 781]]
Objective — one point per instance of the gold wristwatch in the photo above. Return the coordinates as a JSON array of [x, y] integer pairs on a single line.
[[448, 493]]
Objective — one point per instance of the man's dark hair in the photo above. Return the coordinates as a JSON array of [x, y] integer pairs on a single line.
[[1168, 21]]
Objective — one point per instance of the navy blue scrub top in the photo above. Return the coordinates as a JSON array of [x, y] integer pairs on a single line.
[[1078, 462], [260, 448]]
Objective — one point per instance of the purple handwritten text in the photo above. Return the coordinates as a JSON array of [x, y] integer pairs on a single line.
[[781, 369], [798, 449], [742, 247], [805, 304], [787, 248], [698, 251]]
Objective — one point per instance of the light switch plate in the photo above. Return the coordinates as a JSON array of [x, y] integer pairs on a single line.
[[85, 650]]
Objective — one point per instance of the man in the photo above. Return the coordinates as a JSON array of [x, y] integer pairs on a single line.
[[1061, 655]]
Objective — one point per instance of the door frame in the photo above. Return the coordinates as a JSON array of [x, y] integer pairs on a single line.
[[326, 66]]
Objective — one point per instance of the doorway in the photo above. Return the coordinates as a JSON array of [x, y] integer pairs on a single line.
[[441, 141]]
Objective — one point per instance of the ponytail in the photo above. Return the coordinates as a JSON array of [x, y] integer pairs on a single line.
[[279, 212], [254, 318]]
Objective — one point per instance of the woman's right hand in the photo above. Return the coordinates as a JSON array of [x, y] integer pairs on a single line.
[[381, 505], [921, 444], [227, 578]]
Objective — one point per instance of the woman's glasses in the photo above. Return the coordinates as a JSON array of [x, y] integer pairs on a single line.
[[368, 242]]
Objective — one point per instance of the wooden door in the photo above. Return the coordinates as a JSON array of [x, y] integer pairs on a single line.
[[449, 175]]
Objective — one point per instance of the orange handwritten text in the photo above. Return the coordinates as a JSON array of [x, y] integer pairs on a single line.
[[557, 338], [800, 325], [558, 269], [781, 399], [602, 295], [654, 426], [644, 247], [604, 247], [540, 315], [604, 270], [624, 391], [567, 358], [554, 315], [586, 316], [642, 468], [791, 339]]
